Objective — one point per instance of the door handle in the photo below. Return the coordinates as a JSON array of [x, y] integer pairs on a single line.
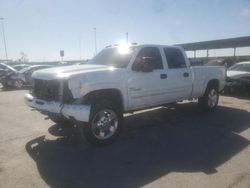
[[185, 74], [163, 76]]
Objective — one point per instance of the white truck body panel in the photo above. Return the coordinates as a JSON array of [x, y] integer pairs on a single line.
[[202, 75], [138, 89]]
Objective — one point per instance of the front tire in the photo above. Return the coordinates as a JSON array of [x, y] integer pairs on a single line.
[[209, 101], [105, 123]]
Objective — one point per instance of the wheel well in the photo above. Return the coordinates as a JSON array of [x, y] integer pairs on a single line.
[[113, 95], [213, 82]]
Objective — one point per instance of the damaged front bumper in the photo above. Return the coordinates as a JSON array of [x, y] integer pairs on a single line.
[[77, 112]]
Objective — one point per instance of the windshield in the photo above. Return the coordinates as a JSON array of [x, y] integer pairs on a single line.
[[118, 57], [240, 67]]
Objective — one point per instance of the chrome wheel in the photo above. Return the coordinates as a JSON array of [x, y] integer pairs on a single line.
[[212, 98], [104, 124]]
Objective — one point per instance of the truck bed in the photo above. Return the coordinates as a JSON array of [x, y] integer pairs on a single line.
[[202, 74]]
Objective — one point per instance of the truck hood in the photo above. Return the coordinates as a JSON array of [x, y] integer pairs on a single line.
[[68, 71], [237, 74]]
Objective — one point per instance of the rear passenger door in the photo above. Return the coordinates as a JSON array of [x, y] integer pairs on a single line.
[[179, 74]]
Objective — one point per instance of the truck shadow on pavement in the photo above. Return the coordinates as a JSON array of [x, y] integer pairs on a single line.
[[154, 144]]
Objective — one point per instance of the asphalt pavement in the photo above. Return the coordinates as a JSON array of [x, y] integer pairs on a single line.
[[178, 146]]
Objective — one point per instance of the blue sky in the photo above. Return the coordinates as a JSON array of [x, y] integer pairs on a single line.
[[42, 28]]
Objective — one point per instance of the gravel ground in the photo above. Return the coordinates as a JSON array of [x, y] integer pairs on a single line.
[[163, 147]]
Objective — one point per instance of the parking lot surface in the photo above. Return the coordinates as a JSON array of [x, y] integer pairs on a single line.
[[164, 147]]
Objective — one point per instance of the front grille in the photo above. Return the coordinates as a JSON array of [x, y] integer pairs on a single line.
[[47, 90]]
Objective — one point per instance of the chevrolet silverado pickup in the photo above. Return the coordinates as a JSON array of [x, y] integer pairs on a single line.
[[122, 79]]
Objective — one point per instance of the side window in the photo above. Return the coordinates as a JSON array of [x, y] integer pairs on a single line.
[[152, 54], [174, 58]]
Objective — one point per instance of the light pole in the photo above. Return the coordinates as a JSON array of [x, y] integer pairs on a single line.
[[95, 40], [4, 40], [80, 48], [127, 37]]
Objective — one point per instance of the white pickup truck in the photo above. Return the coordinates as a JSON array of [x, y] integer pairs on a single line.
[[122, 79]]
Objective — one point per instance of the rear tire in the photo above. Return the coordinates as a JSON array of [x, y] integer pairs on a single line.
[[209, 101], [105, 123]]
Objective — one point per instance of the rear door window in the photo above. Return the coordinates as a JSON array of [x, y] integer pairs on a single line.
[[175, 58]]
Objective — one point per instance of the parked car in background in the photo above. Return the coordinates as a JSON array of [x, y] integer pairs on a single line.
[[5, 70], [238, 78], [82, 62], [219, 62], [21, 66], [21, 78], [5, 66]]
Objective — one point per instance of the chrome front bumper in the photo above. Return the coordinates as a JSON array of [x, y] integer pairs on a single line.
[[69, 111]]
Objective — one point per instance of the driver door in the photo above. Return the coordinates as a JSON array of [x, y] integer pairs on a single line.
[[147, 89]]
